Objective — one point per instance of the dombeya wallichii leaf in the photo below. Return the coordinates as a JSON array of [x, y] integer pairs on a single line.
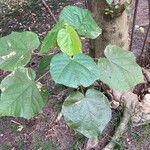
[[20, 96], [69, 41], [16, 49], [119, 69], [73, 71], [87, 114], [50, 40], [82, 20]]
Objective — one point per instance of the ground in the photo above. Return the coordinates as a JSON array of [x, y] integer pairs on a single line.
[[42, 132]]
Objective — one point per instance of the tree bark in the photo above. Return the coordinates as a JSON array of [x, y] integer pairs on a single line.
[[114, 23]]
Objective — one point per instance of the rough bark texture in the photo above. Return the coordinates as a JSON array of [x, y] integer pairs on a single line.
[[114, 26]]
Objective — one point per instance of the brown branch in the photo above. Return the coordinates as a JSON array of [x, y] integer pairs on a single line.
[[49, 10], [146, 36], [133, 25], [42, 76]]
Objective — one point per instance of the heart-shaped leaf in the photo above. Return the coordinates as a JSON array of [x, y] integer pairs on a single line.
[[69, 41], [16, 49], [20, 96], [82, 20], [119, 69], [87, 114], [73, 71]]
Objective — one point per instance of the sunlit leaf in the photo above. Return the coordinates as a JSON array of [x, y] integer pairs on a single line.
[[69, 41]]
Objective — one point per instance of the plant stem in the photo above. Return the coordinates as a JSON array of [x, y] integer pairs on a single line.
[[42, 76]]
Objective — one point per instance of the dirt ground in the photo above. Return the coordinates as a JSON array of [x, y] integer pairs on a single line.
[[42, 132]]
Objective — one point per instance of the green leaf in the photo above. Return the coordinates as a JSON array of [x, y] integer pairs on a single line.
[[44, 63], [20, 96], [109, 1], [87, 114], [73, 71], [16, 49], [119, 69], [50, 40], [69, 41], [82, 20]]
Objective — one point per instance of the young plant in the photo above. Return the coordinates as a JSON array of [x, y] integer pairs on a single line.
[[89, 111]]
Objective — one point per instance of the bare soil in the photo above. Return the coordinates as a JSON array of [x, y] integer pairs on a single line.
[[42, 132]]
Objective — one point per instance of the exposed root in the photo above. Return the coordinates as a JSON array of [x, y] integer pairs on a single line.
[[146, 74], [130, 101]]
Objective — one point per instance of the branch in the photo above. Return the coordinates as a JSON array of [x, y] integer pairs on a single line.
[[49, 10], [134, 20], [146, 36], [42, 76]]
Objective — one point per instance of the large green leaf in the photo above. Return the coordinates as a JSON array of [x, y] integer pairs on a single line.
[[73, 71], [50, 40], [119, 69], [16, 49], [87, 114], [69, 41], [82, 20], [20, 96]]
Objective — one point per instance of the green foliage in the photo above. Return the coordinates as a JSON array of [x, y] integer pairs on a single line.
[[82, 20], [50, 40], [44, 63], [69, 41], [16, 49], [87, 114], [20, 97], [73, 71], [119, 69]]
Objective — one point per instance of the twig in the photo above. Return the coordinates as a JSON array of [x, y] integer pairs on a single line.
[[42, 76], [133, 25], [49, 10], [13, 121], [146, 36]]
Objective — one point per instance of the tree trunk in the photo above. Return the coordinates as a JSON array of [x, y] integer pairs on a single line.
[[114, 23]]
